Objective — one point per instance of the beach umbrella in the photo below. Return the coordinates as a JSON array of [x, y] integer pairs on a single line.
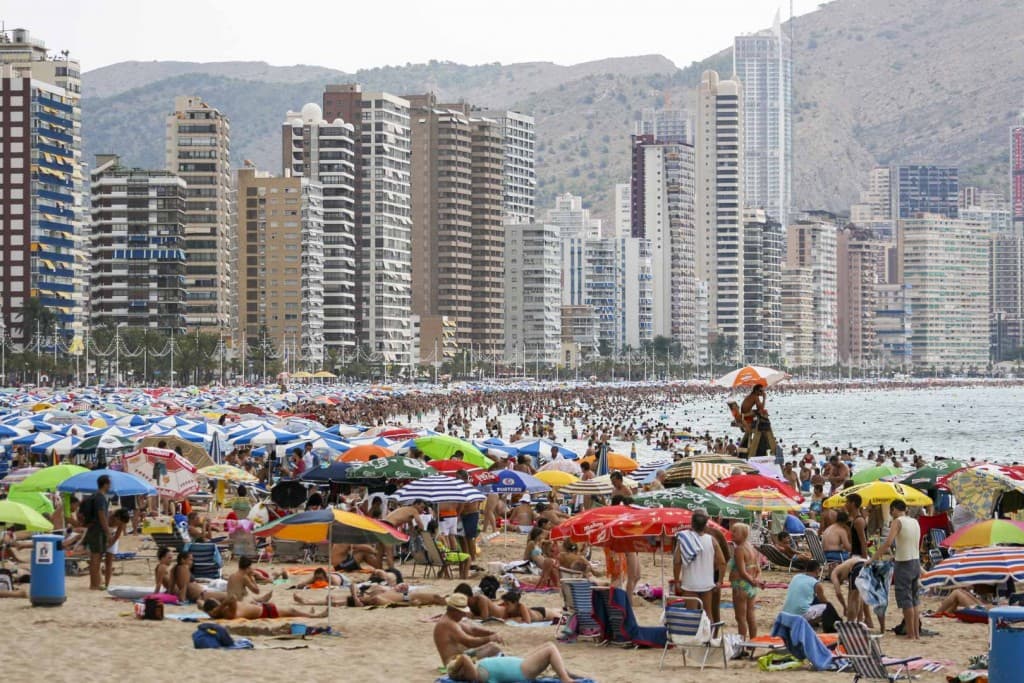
[[438, 489], [871, 474], [496, 448], [396, 467], [579, 527], [706, 469], [590, 487], [228, 473], [645, 473], [364, 452], [193, 452], [288, 493], [450, 466], [333, 472], [443, 447], [987, 533], [49, 478], [511, 481], [978, 566], [764, 500], [13, 513], [562, 465], [108, 442], [616, 461], [751, 375], [879, 493], [644, 529], [979, 488], [20, 474], [541, 448], [37, 500], [692, 498], [8, 432], [121, 483], [928, 476], [736, 483], [173, 476], [324, 374], [556, 478]]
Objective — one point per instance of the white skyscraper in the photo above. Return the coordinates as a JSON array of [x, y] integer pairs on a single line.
[[519, 184], [762, 64], [720, 202], [533, 305], [621, 228], [572, 219], [812, 244]]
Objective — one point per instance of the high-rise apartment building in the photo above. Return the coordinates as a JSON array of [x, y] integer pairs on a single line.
[[533, 275], [489, 167], [764, 248], [893, 325], [1017, 172], [324, 152], [924, 188], [41, 212], [383, 216], [719, 246], [622, 212], [859, 255], [666, 125], [762, 64], [1006, 282], [280, 233], [572, 219], [798, 317], [137, 248], [519, 176], [875, 206], [946, 266], [198, 149], [811, 243], [662, 189]]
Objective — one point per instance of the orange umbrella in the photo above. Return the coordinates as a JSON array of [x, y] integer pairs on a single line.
[[616, 461], [363, 452], [750, 375]]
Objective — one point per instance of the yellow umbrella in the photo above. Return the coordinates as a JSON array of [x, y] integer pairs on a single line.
[[880, 493], [228, 473], [556, 478], [301, 374], [325, 374]]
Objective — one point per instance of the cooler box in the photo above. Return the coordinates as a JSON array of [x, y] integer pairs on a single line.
[[1006, 658], [47, 587]]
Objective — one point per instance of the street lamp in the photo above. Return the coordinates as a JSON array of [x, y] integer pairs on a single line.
[[117, 354]]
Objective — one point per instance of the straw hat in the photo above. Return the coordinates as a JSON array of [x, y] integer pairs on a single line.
[[458, 601]]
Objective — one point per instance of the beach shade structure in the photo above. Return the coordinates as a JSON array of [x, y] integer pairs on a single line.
[[987, 533], [512, 481], [706, 469], [928, 476], [541, 449], [556, 479], [871, 474], [13, 513], [37, 500], [645, 473], [173, 476], [63, 445], [764, 500], [580, 527], [692, 498], [496, 448], [121, 483], [391, 468], [364, 452], [302, 374], [235, 475], [193, 452], [443, 447], [104, 442], [736, 483], [49, 478], [981, 488], [616, 461], [9, 432], [288, 493], [591, 487], [329, 473], [879, 493], [751, 375], [20, 474], [449, 467], [979, 566], [563, 465], [438, 489], [132, 421], [324, 374]]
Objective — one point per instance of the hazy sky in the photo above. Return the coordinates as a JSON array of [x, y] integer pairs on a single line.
[[349, 35]]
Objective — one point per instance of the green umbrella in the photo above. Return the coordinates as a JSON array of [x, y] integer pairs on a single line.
[[691, 498], [443, 447], [104, 441], [36, 500], [390, 468], [928, 476], [50, 478], [875, 473], [16, 514]]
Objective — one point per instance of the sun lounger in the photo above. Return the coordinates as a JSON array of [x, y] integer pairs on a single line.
[[865, 655], [614, 611], [776, 557]]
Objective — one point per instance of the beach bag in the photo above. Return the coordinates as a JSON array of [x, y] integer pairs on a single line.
[[775, 662], [215, 636], [153, 609], [829, 618]]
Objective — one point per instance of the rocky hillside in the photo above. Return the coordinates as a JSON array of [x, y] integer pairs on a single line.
[[875, 81]]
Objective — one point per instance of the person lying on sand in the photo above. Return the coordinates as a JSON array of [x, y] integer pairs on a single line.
[[229, 608], [511, 669], [454, 636], [375, 595], [243, 582], [509, 607], [322, 579]]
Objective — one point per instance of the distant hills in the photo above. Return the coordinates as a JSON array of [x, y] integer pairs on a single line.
[[875, 81]]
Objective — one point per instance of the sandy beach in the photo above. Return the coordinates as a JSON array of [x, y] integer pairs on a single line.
[[92, 635]]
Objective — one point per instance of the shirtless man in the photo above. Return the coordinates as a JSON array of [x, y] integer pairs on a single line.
[[509, 607], [469, 515], [618, 487], [523, 515], [187, 589], [403, 519], [835, 539], [346, 557], [243, 581], [753, 403], [837, 474], [854, 608], [229, 608], [454, 637]]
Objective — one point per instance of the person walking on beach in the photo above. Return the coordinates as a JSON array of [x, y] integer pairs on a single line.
[[94, 512], [905, 539]]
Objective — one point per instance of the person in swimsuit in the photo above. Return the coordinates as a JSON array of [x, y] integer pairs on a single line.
[[511, 669], [835, 539], [745, 578], [164, 577], [185, 588], [535, 553], [322, 579], [515, 610], [229, 608]]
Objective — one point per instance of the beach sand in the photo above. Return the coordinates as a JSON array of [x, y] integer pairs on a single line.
[[93, 636]]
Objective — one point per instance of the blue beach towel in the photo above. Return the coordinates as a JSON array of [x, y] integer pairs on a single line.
[[445, 679], [801, 640]]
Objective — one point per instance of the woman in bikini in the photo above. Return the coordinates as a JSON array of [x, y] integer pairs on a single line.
[[745, 578], [185, 588], [535, 553], [164, 576]]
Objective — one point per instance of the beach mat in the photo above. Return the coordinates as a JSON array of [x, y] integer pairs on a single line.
[[188, 616]]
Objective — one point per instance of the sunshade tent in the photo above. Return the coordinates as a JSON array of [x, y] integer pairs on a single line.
[[121, 483], [390, 468], [987, 533], [438, 489], [979, 566], [194, 453], [16, 514], [879, 493], [692, 498], [871, 474], [443, 447], [980, 488], [751, 375], [173, 476]]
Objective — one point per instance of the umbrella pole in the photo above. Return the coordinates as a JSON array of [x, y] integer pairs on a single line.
[[330, 574]]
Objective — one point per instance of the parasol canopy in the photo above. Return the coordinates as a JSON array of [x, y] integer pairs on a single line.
[[751, 375]]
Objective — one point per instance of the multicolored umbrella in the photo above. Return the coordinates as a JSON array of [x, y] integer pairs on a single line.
[[736, 483], [928, 476], [334, 526], [443, 447], [173, 476], [879, 493], [16, 514], [228, 473], [692, 498], [706, 469], [49, 478], [390, 468], [979, 488], [871, 474], [979, 566], [988, 533], [751, 375], [764, 500]]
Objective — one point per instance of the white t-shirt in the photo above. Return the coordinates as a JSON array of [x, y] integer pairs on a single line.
[[699, 575], [307, 461]]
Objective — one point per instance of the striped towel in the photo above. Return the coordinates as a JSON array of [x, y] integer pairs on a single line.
[[689, 546]]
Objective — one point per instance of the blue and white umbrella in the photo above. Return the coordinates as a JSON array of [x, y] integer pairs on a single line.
[[512, 481], [132, 421], [438, 489], [645, 473], [121, 484], [541, 448]]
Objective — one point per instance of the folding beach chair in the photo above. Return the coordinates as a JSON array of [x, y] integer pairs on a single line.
[[206, 560], [578, 621], [817, 551], [430, 556], [776, 557], [613, 609], [865, 656], [683, 625]]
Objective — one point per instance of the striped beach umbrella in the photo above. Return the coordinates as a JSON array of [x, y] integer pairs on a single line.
[[438, 489], [590, 487], [645, 473], [980, 566]]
